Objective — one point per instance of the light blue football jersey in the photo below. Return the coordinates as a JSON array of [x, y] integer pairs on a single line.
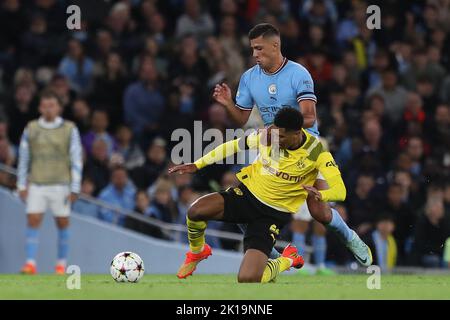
[[270, 92]]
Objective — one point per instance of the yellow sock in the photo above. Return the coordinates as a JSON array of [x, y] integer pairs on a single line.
[[275, 267], [196, 235]]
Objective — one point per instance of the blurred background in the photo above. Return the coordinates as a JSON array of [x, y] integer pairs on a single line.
[[383, 110]]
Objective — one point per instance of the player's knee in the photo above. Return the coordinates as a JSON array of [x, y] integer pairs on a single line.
[[194, 212], [34, 221], [248, 278]]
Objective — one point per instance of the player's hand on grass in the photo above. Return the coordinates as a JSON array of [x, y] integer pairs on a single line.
[[313, 192], [184, 168], [23, 194], [222, 94]]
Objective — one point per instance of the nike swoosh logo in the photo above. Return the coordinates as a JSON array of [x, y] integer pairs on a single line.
[[363, 261]]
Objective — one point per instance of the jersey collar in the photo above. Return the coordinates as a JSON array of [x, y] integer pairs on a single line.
[[285, 61]]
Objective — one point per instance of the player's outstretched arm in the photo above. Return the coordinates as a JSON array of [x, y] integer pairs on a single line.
[[219, 153], [222, 94]]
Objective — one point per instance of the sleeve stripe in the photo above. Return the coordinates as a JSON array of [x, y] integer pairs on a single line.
[[306, 98], [243, 108], [305, 92]]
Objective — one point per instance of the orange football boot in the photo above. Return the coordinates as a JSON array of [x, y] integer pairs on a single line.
[[60, 269], [192, 260], [291, 252], [29, 268]]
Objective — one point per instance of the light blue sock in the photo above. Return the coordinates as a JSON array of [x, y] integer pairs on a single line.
[[274, 254], [31, 243], [339, 226], [63, 244], [299, 241], [320, 250]]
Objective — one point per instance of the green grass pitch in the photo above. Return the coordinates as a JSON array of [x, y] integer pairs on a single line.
[[225, 287]]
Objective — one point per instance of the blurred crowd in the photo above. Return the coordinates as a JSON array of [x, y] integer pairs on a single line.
[[138, 69]]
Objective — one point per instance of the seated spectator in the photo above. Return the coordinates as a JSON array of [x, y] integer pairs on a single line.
[[142, 208], [119, 193], [403, 217], [382, 243], [109, 87], [144, 103], [99, 124], [82, 206], [155, 163], [77, 67], [361, 205], [431, 232], [80, 113], [194, 21], [129, 151], [20, 111], [97, 165], [162, 206]]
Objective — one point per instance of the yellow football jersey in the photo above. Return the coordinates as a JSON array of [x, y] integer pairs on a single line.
[[276, 176]]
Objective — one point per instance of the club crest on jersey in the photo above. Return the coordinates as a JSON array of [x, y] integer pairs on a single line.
[[301, 164], [272, 89]]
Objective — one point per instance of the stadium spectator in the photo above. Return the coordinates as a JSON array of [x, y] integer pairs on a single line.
[[194, 21], [403, 217], [431, 232], [83, 206], [119, 193], [383, 244], [99, 125], [97, 165], [20, 111], [77, 67], [393, 94], [361, 205], [80, 113], [144, 103], [162, 206], [142, 207], [109, 86], [129, 151], [154, 165]]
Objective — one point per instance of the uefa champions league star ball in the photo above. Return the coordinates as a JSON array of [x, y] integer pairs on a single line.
[[127, 267]]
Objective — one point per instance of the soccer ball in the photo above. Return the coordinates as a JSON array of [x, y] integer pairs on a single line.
[[127, 267]]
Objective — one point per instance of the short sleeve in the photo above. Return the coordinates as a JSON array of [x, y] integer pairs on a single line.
[[303, 85], [243, 96]]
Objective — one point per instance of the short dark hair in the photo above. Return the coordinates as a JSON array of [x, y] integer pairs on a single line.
[[289, 119], [264, 30], [49, 94]]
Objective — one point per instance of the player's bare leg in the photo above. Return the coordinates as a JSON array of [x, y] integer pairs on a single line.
[[34, 221], [208, 207], [257, 267], [62, 224], [330, 218], [252, 266]]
